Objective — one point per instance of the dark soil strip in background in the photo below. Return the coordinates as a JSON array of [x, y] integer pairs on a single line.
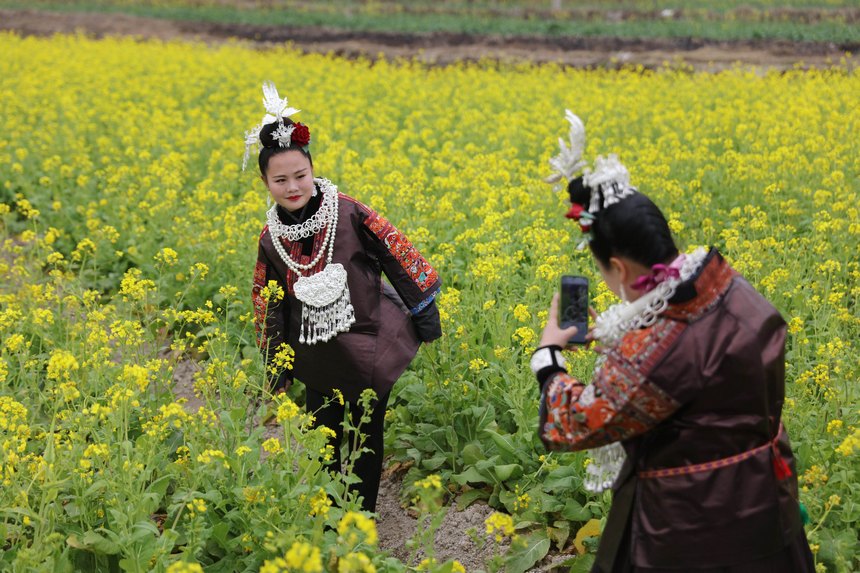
[[445, 48]]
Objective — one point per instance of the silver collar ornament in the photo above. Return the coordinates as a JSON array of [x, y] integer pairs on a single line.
[[326, 307]]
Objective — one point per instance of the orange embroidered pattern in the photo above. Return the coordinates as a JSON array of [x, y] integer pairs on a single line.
[[416, 266], [259, 304]]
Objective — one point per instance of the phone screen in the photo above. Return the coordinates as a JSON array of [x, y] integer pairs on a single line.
[[573, 310]]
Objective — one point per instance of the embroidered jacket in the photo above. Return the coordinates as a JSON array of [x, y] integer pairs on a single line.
[[703, 384], [389, 323]]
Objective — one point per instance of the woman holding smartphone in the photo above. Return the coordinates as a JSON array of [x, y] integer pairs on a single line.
[[685, 404]]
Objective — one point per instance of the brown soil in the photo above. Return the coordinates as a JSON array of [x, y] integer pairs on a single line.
[[445, 48]]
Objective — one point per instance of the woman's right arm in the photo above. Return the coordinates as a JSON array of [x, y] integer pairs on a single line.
[[270, 318]]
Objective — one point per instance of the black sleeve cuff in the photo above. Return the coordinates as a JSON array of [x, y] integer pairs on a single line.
[[427, 323]]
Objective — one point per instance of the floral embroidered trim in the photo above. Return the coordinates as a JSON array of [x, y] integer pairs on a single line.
[[416, 266], [426, 302], [259, 304]]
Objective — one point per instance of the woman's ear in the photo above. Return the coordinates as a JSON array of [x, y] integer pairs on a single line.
[[617, 265]]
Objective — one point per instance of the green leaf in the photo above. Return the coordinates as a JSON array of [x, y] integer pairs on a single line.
[[467, 498], [537, 546], [550, 503], [504, 443], [160, 485], [434, 463], [471, 475], [580, 564], [144, 529], [508, 471], [560, 479], [573, 511], [559, 533], [472, 454], [219, 533], [95, 542]]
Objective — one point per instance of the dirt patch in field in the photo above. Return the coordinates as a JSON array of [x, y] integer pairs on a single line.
[[444, 48]]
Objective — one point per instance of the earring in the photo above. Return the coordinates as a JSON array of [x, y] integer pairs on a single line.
[[623, 293], [268, 201], [314, 194]]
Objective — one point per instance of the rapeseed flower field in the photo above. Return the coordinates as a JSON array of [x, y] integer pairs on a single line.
[[128, 242]]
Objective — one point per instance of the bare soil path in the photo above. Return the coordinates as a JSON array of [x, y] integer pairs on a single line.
[[444, 48]]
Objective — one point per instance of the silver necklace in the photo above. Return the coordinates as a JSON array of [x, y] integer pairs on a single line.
[[326, 307], [313, 225]]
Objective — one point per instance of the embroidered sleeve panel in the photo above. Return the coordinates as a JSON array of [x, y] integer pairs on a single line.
[[259, 303], [269, 322], [410, 273], [619, 404]]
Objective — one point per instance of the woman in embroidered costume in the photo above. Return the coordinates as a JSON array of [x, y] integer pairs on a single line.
[[349, 329], [685, 404]]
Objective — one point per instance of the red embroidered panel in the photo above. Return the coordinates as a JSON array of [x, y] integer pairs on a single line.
[[418, 269], [711, 283], [643, 347], [620, 403], [259, 304]]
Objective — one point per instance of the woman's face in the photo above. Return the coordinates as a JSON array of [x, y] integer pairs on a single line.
[[290, 179]]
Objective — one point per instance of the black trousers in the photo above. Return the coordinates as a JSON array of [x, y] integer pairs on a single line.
[[368, 466]]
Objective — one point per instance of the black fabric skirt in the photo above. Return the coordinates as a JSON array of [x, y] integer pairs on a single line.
[[795, 558]]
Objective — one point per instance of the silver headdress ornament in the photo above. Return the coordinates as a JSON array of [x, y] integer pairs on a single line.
[[569, 160], [277, 109], [608, 174]]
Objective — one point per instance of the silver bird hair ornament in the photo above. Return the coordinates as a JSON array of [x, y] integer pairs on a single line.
[[277, 109], [569, 160], [608, 175]]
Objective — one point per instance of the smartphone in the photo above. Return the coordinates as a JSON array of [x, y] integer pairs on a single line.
[[573, 310]]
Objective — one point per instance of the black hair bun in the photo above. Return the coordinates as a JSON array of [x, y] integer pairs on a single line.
[[266, 138], [578, 192]]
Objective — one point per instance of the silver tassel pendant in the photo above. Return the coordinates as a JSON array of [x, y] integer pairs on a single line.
[[322, 322]]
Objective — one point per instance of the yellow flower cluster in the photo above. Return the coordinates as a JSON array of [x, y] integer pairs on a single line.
[[433, 481], [320, 503], [430, 564], [355, 563], [195, 507], [300, 557], [500, 525], [184, 567], [209, 456], [355, 528], [282, 360], [850, 444]]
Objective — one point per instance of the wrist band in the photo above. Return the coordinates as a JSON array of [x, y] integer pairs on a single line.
[[547, 356]]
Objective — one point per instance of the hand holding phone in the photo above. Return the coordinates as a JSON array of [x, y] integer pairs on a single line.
[[573, 307]]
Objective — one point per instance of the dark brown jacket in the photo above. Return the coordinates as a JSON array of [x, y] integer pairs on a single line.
[[703, 384], [383, 340]]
